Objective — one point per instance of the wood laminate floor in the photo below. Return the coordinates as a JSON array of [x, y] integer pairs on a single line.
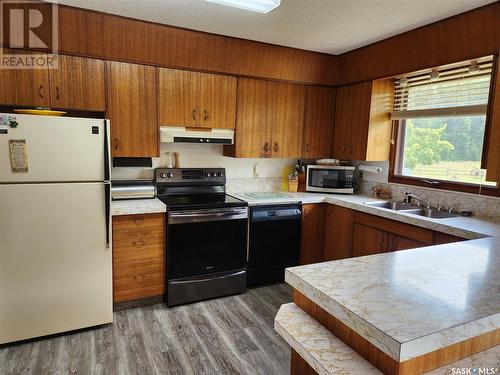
[[232, 335]]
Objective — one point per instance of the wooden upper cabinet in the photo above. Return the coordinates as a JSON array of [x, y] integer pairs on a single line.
[[492, 146], [28, 87], [287, 114], [318, 122], [132, 109], [352, 116], [363, 127], [269, 120], [78, 83], [195, 99], [217, 101], [253, 133], [177, 99]]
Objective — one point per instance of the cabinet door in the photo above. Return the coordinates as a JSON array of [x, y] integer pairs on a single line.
[[252, 135], [352, 117], [78, 83], [287, 120], [138, 264], [395, 243], [178, 97], [338, 232], [492, 145], [29, 87], [312, 233], [287, 113], [368, 240], [443, 238], [132, 110], [217, 101], [318, 122]]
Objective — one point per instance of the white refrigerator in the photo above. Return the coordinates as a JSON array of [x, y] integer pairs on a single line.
[[55, 225]]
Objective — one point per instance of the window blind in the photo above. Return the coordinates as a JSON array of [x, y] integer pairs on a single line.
[[460, 89]]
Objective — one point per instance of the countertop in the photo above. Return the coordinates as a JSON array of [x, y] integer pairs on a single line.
[[465, 227], [137, 206], [412, 302]]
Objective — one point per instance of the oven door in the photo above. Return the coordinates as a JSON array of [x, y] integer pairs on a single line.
[[208, 241], [330, 179]]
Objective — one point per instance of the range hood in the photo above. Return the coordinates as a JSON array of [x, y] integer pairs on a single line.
[[177, 134]]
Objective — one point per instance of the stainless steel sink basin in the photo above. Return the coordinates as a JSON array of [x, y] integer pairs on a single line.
[[434, 214], [396, 206], [413, 209]]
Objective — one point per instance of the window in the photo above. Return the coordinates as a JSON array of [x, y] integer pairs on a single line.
[[441, 120]]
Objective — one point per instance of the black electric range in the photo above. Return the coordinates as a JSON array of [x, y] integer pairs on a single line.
[[206, 241]]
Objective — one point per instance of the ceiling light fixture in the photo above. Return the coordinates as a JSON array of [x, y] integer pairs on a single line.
[[259, 6]]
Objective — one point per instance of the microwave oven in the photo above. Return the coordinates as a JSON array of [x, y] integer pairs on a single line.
[[330, 179]]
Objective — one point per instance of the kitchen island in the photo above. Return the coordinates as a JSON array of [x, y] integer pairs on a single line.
[[405, 312]]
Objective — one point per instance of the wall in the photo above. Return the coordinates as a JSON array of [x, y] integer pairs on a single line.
[[240, 172]]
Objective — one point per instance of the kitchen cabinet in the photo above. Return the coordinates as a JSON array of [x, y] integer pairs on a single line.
[[444, 238], [312, 233], [194, 99], [132, 109], [78, 83], [318, 122], [338, 234], [269, 121], [374, 234], [138, 263], [24, 87], [363, 128], [491, 157]]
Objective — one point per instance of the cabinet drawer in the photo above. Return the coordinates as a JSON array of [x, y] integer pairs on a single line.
[[127, 223]]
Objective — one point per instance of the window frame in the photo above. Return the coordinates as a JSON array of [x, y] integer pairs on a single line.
[[396, 150]]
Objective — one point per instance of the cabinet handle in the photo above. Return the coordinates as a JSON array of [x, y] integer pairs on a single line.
[[194, 114], [343, 148], [139, 221], [276, 147], [266, 147], [116, 143], [40, 91], [205, 115], [351, 149], [139, 243], [308, 147], [57, 93]]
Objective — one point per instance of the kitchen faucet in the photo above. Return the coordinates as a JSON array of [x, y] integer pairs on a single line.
[[410, 196]]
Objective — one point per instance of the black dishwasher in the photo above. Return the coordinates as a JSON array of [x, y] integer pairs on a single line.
[[274, 242]]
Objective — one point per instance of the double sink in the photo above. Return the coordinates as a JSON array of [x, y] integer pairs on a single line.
[[413, 209]]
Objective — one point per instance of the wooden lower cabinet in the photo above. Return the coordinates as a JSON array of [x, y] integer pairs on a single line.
[[338, 232], [443, 238], [313, 227], [331, 232], [138, 257]]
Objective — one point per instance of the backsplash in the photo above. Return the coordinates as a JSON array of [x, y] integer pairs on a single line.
[[196, 156], [479, 204]]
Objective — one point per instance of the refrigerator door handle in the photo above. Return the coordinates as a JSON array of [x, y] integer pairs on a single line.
[[106, 151], [107, 205]]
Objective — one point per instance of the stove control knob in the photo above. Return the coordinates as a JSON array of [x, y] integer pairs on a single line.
[[162, 175], [219, 174], [170, 175], [212, 174]]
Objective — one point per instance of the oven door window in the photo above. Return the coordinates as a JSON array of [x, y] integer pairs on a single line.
[[328, 178], [200, 248]]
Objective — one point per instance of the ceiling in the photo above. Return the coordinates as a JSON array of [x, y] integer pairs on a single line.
[[330, 26]]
